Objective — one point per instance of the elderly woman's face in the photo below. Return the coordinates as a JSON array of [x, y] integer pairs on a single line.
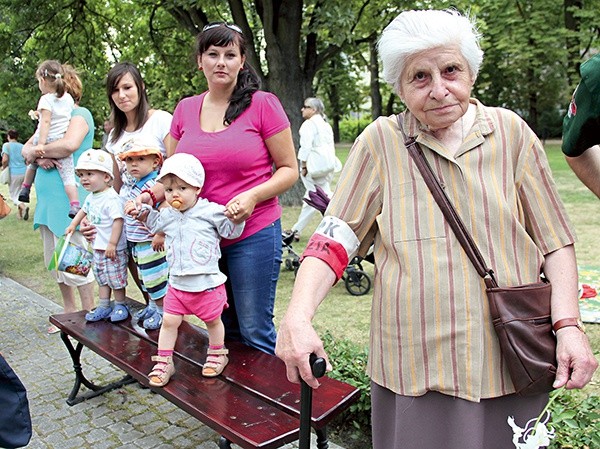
[[436, 85]]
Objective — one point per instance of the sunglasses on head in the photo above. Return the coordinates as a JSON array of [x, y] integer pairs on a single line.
[[231, 26]]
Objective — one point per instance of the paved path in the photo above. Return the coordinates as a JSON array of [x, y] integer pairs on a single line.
[[130, 418]]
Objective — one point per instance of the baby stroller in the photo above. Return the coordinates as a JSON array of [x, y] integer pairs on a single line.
[[356, 280], [291, 259]]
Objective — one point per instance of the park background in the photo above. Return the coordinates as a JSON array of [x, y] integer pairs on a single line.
[[533, 50], [343, 319]]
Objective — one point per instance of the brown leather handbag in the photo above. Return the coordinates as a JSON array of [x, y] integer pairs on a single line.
[[520, 314]]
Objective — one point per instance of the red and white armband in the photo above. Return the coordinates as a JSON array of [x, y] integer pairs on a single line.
[[334, 242]]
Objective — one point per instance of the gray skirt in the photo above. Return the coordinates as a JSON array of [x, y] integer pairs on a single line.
[[435, 420]]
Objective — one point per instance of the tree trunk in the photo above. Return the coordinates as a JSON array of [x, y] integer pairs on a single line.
[[572, 24], [376, 101]]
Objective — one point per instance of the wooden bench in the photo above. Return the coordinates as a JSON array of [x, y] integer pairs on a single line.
[[251, 404]]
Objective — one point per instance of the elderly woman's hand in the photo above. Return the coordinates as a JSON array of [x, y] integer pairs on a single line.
[[296, 340], [576, 362]]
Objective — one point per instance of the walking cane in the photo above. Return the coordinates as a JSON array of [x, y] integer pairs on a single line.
[[318, 366]]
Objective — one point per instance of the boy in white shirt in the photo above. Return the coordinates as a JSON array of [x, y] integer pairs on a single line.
[[104, 209]]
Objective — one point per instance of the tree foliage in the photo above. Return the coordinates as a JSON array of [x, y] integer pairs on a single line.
[[300, 47]]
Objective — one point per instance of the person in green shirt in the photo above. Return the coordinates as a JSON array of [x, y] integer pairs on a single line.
[[581, 127]]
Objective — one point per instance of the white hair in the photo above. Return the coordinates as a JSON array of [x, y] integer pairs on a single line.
[[316, 104], [415, 31]]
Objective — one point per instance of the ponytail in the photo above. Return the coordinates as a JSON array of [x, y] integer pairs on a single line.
[[53, 73], [248, 82]]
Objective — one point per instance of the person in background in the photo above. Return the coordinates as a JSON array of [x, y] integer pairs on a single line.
[[581, 127], [196, 286], [437, 375], [107, 127], [242, 137], [104, 210], [143, 161], [316, 141], [132, 117], [52, 207], [53, 113], [13, 159]]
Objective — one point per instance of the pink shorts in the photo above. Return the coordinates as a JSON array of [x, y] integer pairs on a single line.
[[207, 305]]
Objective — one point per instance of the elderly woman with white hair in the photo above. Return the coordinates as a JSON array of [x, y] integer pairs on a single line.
[[437, 375]]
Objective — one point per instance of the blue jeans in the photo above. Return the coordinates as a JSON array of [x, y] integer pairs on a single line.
[[252, 269]]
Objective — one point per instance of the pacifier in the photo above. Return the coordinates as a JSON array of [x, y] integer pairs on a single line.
[[176, 204]]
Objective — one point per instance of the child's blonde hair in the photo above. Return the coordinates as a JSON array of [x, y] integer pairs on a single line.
[[52, 72]]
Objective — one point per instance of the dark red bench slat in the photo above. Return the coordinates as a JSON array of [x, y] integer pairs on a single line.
[[239, 416], [256, 371]]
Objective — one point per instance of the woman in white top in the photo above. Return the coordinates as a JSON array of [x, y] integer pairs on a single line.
[[132, 118], [316, 144]]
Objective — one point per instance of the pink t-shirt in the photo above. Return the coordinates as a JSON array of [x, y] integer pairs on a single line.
[[236, 158]]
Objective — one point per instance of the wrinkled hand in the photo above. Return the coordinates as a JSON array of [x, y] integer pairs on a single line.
[[576, 362], [158, 242], [243, 204], [296, 340]]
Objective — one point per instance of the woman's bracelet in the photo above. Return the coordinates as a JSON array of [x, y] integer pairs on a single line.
[[152, 196]]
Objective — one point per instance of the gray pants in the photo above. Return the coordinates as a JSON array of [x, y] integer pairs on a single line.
[[435, 420]]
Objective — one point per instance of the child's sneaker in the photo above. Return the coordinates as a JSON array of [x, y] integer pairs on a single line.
[[119, 313], [153, 321], [24, 194], [73, 211], [99, 313]]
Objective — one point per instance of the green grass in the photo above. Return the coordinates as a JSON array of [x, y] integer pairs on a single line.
[[345, 316]]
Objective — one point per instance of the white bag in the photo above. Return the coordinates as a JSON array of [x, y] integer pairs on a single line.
[[5, 176], [321, 161]]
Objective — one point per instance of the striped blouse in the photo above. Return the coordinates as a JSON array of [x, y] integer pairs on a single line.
[[430, 325]]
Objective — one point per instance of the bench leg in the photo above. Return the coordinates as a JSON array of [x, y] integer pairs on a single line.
[[224, 443], [80, 378], [322, 440]]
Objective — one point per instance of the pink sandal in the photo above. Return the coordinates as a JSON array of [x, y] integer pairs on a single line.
[[162, 371], [216, 361]]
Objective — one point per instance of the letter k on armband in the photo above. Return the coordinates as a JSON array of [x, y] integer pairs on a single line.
[[334, 243]]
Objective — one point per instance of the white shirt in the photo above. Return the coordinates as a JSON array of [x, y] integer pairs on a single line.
[[101, 209], [315, 133], [61, 109]]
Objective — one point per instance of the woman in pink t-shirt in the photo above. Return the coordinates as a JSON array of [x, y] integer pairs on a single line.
[[242, 137]]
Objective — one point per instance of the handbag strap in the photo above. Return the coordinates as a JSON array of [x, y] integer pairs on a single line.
[[450, 213]]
